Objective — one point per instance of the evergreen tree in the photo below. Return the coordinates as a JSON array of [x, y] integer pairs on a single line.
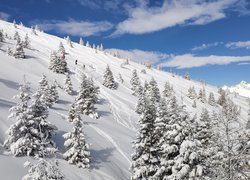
[[1, 36], [94, 47], [87, 97], [202, 95], [168, 90], [57, 62], [31, 134], [53, 61], [208, 147], [44, 92], [53, 92], [135, 83], [72, 112], [26, 42], [14, 23], [140, 105], [211, 99], [33, 30], [108, 79], [17, 137], [172, 127], [43, 169], [19, 53], [242, 165], [101, 47], [192, 93], [144, 158], [87, 44], [154, 91], [81, 42], [228, 140], [222, 99], [68, 85], [77, 149], [69, 41], [17, 37], [42, 130], [61, 50]]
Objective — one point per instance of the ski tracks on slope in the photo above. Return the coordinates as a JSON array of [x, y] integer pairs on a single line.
[[110, 139]]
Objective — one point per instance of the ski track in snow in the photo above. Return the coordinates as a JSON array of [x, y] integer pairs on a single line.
[[111, 140]]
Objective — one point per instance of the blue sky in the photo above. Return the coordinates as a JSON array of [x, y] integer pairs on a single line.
[[210, 39]]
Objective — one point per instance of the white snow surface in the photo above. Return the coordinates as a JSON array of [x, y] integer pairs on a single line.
[[109, 136], [242, 89]]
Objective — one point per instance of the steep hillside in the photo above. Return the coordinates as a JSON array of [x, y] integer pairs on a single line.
[[109, 136]]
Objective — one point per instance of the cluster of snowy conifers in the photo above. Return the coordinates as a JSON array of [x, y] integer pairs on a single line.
[[173, 146]]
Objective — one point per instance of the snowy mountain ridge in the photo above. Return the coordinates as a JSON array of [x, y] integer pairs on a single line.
[[109, 136], [243, 89]]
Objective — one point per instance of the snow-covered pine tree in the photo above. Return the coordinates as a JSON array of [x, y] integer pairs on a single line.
[[135, 83], [191, 93], [108, 79], [41, 130], [17, 137], [202, 95], [120, 79], [26, 42], [87, 44], [228, 119], [168, 90], [33, 30], [93, 46], [18, 52], [43, 170], [72, 113], [144, 159], [222, 99], [98, 47], [171, 127], [211, 99], [17, 37], [207, 148], [53, 61], [53, 92], [61, 50], [77, 149], [154, 91], [243, 153], [140, 105], [81, 41], [69, 41], [14, 23], [101, 47], [68, 88], [87, 97], [61, 66], [1, 36]]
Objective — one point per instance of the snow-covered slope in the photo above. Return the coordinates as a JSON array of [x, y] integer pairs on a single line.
[[109, 136], [243, 89]]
